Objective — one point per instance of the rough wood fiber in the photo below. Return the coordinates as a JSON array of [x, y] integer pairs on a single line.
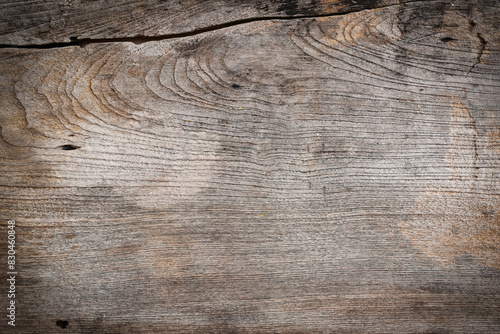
[[48, 21], [334, 175]]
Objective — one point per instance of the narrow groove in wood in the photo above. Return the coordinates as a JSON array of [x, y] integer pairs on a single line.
[[140, 39]]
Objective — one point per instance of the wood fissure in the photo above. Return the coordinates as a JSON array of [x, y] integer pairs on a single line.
[[139, 39]]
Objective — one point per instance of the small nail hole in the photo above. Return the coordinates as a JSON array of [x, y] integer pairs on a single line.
[[69, 147], [62, 323], [447, 39]]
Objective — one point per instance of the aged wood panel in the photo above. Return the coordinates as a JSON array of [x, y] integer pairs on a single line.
[[336, 175], [51, 21]]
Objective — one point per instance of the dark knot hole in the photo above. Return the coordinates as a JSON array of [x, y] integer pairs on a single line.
[[62, 323]]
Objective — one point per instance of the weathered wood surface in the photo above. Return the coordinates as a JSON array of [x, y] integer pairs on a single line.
[[336, 175], [51, 21]]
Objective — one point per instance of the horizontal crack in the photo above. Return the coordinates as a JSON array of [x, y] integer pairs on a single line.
[[143, 39]]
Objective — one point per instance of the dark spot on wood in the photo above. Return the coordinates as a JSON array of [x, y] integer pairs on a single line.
[[73, 39], [235, 86], [472, 24], [289, 7], [69, 147], [262, 6], [488, 213], [447, 39], [411, 20], [62, 323]]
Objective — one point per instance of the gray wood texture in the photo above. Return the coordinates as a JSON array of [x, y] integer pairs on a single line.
[[337, 174], [51, 21]]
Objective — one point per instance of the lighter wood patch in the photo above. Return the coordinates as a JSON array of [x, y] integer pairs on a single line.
[[461, 217]]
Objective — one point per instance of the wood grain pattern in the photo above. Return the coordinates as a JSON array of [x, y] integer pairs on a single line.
[[333, 175], [52, 21]]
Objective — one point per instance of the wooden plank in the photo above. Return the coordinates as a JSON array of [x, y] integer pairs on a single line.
[[336, 175], [52, 21]]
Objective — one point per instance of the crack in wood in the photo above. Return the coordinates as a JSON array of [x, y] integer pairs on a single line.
[[480, 52], [140, 39]]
